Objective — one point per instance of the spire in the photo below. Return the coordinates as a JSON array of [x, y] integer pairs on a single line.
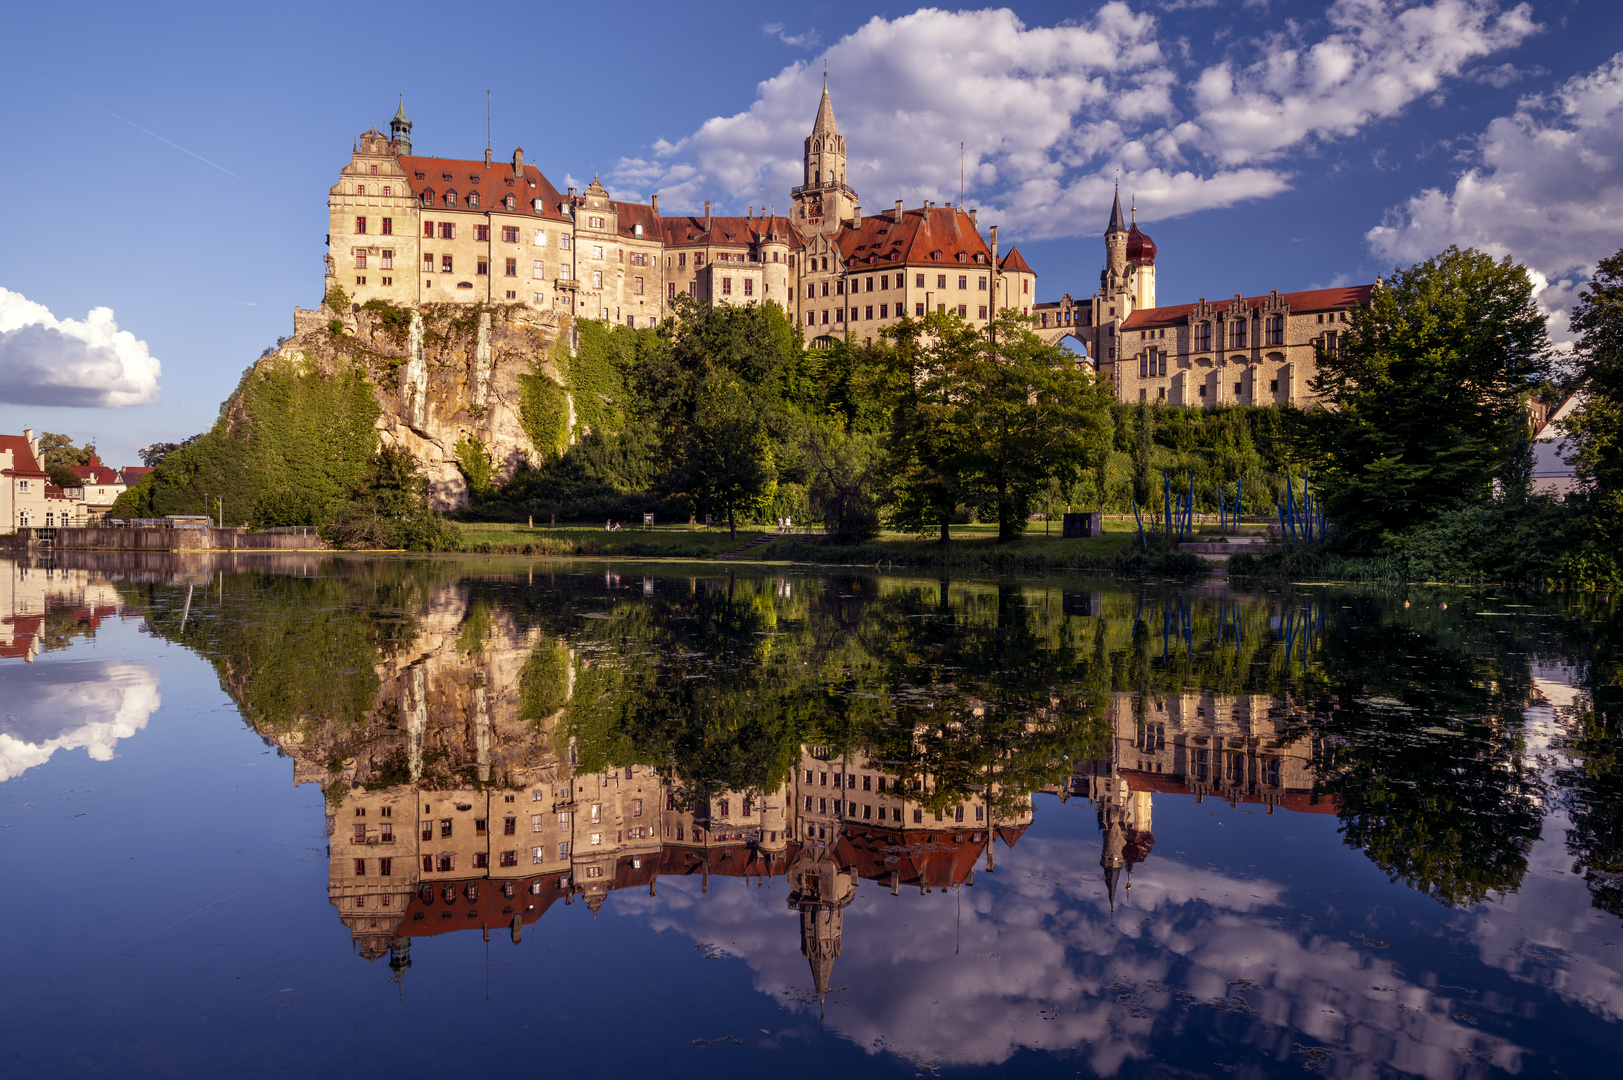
[[1116, 224], [825, 113], [400, 128]]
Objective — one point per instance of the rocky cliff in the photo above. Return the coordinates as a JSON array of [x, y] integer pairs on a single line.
[[446, 376]]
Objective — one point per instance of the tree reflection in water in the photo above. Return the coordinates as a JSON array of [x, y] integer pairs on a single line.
[[493, 744]]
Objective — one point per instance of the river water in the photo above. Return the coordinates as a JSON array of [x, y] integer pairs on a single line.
[[311, 816]]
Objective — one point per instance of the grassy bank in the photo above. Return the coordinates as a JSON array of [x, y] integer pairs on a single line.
[[972, 546]]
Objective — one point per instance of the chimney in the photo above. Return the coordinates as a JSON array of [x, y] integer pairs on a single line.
[[518, 161], [487, 157], [656, 204], [707, 215], [571, 192], [856, 216], [898, 217], [973, 220]]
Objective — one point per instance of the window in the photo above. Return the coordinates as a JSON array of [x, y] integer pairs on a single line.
[[481, 860], [360, 259], [884, 310], [594, 223], [825, 293], [445, 828], [639, 258], [1273, 386], [387, 190], [918, 281], [726, 286], [1332, 343], [385, 869], [811, 318], [481, 233], [446, 864], [822, 806], [564, 241], [918, 309], [1203, 337], [839, 314], [940, 281], [565, 272], [509, 858], [693, 288], [983, 311], [963, 310], [509, 826], [428, 263], [868, 312], [445, 264], [450, 198], [958, 814], [1203, 390], [670, 291], [1237, 333], [511, 268], [963, 281], [539, 269], [509, 234], [447, 230], [388, 223], [428, 230], [1274, 328], [596, 814], [636, 808], [481, 267], [388, 261], [867, 811], [597, 251], [360, 225], [360, 867], [636, 286], [428, 864], [726, 807], [918, 817], [597, 839], [597, 279], [428, 830], [983, 283], [749, 286], [360, 281], [360, 832]]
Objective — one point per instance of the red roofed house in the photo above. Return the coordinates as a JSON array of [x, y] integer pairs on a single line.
[[412, 230], [1259, 350], [100, 485], [22, 482]]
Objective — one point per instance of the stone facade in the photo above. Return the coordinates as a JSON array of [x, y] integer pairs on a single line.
[[411, 230], [1259, 350]]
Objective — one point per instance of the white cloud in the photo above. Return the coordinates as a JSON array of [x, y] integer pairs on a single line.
[[89, 704], [1050, 116], [1546, 188], [49, 361], [808, 39]]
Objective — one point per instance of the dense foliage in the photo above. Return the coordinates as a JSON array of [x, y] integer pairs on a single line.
[[287, 448]]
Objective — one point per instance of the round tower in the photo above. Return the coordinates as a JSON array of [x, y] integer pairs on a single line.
[[400, 129]]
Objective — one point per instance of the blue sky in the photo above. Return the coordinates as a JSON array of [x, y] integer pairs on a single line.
[[171, 163]]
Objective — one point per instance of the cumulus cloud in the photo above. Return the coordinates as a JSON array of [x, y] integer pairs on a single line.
[[90, 363], [1051, 117], [1546, 187], [80, 704]]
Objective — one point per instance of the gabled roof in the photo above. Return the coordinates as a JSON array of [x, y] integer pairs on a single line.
[[133, 474], [628, 215], [1300, 303], [22, 456], [1015, 263], [732, 231], [491, 186], [932, 235], [95, 472]]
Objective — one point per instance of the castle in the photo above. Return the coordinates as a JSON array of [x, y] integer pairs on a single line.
[[410, 230]]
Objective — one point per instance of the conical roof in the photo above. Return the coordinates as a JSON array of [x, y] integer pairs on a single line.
[[825, 116], [400, 113], [1117, 225]]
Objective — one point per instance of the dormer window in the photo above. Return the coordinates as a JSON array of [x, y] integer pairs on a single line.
[[509, 201], [473, 180], [445, 176], [473, 198], [450, 198], [422, 176], [428, 196], [960, 256]]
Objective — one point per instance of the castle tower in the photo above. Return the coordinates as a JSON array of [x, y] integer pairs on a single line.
[[1141, 259], [821, 891], [1115, 247], [400, 129], [823, 200]]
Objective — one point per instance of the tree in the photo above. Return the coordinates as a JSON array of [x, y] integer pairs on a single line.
[[845, 481], [991, 417], [1428, 391], [728, 455], [55, 449], [387, 507], [156, 452], [1143, 455], [1597, 424]]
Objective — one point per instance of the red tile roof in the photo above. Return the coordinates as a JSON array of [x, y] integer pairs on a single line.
[[22, 456], [633, 214], [1015, 263], [95, 472], [932, 235], [1299, 302], [735, 231], [490, 908], [133, 474], [1303, 802], [491, 186]]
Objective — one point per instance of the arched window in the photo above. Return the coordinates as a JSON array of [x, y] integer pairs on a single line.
[[1203, 337], [1275, 329]]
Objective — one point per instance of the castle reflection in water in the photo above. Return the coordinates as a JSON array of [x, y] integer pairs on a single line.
[[492, 822]]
